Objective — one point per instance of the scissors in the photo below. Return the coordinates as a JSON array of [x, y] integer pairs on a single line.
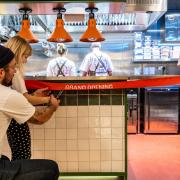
[[59, 94]]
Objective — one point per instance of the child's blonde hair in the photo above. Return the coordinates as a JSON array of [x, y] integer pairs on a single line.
[[19, 47], [61, 49]]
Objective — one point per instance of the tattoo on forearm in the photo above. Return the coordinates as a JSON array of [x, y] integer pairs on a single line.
[[40, 111], [42, 114], [33, 121]]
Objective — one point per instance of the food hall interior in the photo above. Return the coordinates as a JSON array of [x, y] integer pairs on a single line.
[[107, 133]]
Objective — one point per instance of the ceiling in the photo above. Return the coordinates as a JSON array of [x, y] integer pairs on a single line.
[[79, 8], [134, 15], [71, 8]]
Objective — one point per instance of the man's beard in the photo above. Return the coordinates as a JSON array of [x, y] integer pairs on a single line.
[[5, 82]]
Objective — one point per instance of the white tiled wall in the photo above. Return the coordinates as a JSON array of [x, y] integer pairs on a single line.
[[82, 139]]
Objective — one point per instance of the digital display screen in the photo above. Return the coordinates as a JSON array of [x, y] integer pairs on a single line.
[[146, 48], [172, 26]]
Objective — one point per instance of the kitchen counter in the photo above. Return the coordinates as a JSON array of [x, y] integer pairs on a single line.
[[94, 78]]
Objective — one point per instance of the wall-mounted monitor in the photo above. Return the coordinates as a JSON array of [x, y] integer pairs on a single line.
[[172, 27]]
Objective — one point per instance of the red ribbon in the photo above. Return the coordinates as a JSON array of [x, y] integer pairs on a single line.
[[151, 82]]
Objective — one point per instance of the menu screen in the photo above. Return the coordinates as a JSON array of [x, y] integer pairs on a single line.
[[172, 27], [148, 49]]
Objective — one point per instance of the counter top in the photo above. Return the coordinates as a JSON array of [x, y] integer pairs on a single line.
[[94, 78], [78, 78]]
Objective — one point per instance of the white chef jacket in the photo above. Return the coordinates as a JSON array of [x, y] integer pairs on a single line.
[[98, 62], [68, 68]]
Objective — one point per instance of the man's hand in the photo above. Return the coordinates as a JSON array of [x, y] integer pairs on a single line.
[[43, 114], [42, 92], [53, 102]]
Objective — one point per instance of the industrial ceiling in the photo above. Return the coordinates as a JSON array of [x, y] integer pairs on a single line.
[[132, 15]]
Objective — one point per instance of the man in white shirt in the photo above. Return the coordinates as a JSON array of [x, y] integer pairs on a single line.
[[96, 63], [15, 105]]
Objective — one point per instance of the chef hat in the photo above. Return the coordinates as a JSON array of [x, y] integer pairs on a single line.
[[96, 44]]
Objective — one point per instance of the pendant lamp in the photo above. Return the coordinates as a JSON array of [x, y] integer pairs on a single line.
[[92, 34], [59, 34], [25, 31]]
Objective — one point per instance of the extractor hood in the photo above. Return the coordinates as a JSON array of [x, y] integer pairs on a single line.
[[134, 15]]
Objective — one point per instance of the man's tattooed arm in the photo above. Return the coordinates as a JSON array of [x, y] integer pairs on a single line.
[[42, 114]]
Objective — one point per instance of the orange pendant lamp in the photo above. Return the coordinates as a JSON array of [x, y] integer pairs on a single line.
[[92, 34], [25, 31], [59, 34]]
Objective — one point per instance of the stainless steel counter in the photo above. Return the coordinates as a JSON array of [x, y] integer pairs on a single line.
[[79, 78], [95, 78]]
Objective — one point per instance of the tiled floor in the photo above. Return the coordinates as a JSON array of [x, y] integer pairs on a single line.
[[153, 157]]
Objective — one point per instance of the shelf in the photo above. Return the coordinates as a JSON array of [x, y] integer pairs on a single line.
[[155, 61]]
